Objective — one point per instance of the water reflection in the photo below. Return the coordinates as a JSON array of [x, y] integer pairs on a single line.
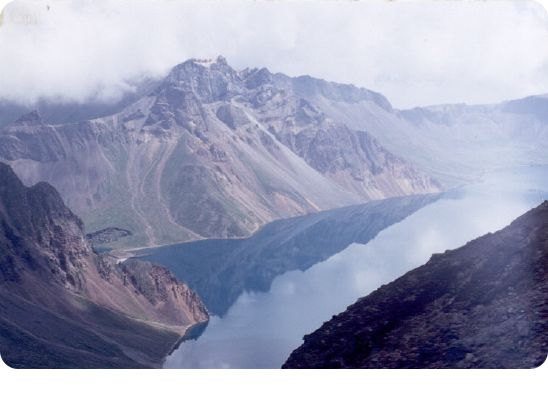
[[261, 329], [221, 270]]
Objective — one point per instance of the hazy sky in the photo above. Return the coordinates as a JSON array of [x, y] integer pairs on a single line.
[[415, 53]]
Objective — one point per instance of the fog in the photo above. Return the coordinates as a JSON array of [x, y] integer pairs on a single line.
[[261, 329], [415, 52]]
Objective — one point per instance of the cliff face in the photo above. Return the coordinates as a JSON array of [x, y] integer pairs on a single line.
[[39, 235], [58, 295], [484, 305], [242, 146]]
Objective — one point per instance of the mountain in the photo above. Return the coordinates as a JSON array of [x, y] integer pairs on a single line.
[[58, 112], [63, 306], [484, 305], [455, 143], [220, 270], [210, 152]]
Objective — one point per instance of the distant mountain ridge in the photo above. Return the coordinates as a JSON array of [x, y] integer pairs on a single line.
[[455, 143], [64, 306], [210, 152], [483, 305]]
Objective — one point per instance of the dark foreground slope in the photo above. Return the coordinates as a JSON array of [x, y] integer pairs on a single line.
[[61, 305], [484, 305]]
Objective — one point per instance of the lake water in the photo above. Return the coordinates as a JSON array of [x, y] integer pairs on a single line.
[[262, 328]]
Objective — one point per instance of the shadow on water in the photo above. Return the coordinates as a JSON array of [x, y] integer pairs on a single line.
[[193, 333]]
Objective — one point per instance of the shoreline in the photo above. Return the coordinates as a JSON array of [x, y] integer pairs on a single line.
[[192, 332]]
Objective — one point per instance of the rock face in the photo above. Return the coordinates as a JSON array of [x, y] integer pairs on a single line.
[[210, 152], [484, 305], [64, 306]]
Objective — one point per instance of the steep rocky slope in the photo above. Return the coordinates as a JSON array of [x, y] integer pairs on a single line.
[[484, 305], [210, 152], [63, 306]]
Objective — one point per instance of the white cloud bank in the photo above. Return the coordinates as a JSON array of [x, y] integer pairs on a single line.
[[416, 53]]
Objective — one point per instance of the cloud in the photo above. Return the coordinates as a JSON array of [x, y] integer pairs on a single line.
[[416, 53]]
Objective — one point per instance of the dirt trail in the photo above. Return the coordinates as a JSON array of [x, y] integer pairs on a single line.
[[134, 186], [159, 170]]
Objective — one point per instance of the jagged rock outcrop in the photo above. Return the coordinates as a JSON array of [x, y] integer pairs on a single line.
[[107, 235], [484, 305], [64, 306], [210, 152]]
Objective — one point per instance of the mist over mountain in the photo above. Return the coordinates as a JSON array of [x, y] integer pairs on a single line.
[[57, 111], [162, 206], [415, 53], [454, 143], [211, 152]]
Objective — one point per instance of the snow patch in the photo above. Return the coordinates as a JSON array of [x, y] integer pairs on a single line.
[[204, 62]]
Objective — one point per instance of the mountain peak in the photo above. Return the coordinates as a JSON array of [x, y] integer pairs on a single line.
[[30, 118], [206, 62], [207, 79], [200, 73]]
